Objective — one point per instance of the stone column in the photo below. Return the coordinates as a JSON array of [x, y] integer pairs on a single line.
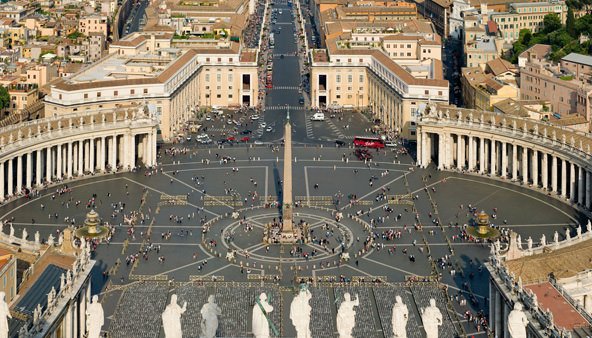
[[10, 184], [545, 170], [70, 160], [564, 178], [525, 165], [504, 159], [87, 155], [131, 148], [2, 181], [493, 168], [113, 153], [48, 164], [102, 154], [29, 179], [38, 168], [471, 153], [481, 155], [460, 155], [419, 150], [572, 180], [19, 173], [80, 157], [91, 155], [441, 151], [515, 162], [425, 148], [588, 187], [535, 168], [554, 174], [581, 185], [59, 161]]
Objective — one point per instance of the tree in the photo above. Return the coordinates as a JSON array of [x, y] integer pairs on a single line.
[[4, 98], [551, 23], [570, 23]]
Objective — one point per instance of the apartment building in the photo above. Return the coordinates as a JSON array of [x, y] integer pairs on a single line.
[[22, 95], [481, 90], [527, 15], [94, 24], [578, 65], [482, 50], [542, 79]]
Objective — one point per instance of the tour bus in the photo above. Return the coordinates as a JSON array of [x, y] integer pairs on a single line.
[[368, 142]]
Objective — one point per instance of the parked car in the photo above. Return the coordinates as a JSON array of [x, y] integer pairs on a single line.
[[245, 139], [318, 117], [246, 132]]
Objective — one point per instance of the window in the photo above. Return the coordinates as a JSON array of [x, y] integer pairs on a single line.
[[207, 77], [229, 77], [350, 78], [427, 92], [86, 96], [218, 77], [207, 59], [439, 93], [408, 46], [132, 91], [219, 59], [98, 94], [338, 78], [145, 91], [229, 59], [361, 78], [218, 96], [115, 93], [338, 96]]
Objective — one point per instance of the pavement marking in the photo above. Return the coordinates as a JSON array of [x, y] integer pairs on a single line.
[[306, 182], [210, 168], [219, 269], [389, 266], [162, 192], [200, 191], [53, 192], [377, 189]]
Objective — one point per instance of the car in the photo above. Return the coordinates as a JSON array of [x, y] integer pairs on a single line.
[[230, 139], [390, 144], [189, 138], [301, 100], [254, 117], [229, 122], [339, 143], [263, 124], [208, 118], [245, 139], [269, 129], [246, 132], [318, 117], [258, 142]]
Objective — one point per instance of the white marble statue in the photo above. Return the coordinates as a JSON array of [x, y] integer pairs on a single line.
[[589, 226], [529, 243], [300, 311], [4, 315], [60, 239], [209, 318], [556, 237], [543, 240], [62, 281], [517, 322], [519, 240], [96, 318], [400, 317], [567, 234], [25, 234], [432, 319], [50, 240], [579, 231], [11, 231], [346, 316], [260, 311], [37, 237], [171, 318]]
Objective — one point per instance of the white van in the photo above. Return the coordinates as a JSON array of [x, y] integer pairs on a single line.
[[318, 117]]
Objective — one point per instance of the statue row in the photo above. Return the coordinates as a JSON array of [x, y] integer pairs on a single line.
[[300, 314]]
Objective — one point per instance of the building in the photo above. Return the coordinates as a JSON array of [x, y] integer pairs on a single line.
[[94, 24], [8, 276], [578, 65], [22, 95], [482, 50], [527, 15], [482, 90], [439, 11], [172, 81], [552, 280], [542, 79]]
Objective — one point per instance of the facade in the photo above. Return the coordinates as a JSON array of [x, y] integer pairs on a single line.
[[541, 79], [8, 276], [482, 91], [94, 24], [482, 50], [527, 15], [173, 82], [369, 78], [22, 95], [578, 65]]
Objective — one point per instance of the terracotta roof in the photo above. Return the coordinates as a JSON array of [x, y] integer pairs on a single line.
[[130, 43], [539, 49], [491, 27], [563, 263], [564, 314], [499, 66]]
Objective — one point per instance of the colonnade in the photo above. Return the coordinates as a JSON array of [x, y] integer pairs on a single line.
[[485, 154], [64, 160]]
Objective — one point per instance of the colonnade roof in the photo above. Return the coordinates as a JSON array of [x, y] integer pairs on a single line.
[[40, 127], [524, 128]]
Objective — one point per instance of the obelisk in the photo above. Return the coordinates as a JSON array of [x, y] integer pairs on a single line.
[[287, 226]]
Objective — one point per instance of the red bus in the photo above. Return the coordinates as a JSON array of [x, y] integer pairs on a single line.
[[368, 142]]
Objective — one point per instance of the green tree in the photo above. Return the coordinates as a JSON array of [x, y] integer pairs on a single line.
[[551, 23], [4, 98], [570, 23]]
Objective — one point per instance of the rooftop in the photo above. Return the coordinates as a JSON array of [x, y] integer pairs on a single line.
[[564, 314], [578, 58], [563, 263]]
